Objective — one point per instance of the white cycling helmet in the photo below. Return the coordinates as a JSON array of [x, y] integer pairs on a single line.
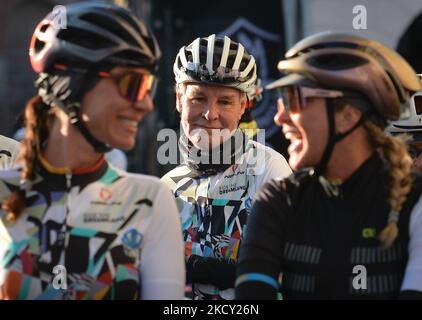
[[413, 124], [217, 60]]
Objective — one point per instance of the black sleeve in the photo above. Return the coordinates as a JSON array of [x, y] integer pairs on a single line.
[[259, 263], [206, 270], [410, 295]]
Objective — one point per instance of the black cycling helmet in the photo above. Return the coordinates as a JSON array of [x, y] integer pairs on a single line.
[[96, 37], [96, 34]]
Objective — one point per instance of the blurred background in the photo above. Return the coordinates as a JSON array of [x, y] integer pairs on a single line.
[[265, 28]]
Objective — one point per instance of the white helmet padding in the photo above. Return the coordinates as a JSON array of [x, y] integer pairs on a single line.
[[413, 124]]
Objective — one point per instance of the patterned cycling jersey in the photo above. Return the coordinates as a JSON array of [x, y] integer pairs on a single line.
[[214, 209], [9, 152], [108, 230]]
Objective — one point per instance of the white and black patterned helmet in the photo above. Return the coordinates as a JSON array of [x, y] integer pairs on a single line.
[[413, 124], [95, 34], [217, 60]]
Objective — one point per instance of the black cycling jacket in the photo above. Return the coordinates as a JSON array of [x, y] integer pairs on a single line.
[[322, 238]]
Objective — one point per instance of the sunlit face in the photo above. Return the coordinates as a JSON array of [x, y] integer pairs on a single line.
[[307, 131], [110, 117], [209, 113]]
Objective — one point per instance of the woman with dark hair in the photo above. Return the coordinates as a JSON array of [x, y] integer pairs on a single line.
[[72, 226]]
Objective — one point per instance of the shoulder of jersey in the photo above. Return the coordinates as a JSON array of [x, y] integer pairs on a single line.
[[9, 144], [148, 179], [8, 179], [179, 171], [268, 150]]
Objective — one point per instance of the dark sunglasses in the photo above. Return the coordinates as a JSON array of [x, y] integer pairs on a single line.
[[294, 97], [133, 86]]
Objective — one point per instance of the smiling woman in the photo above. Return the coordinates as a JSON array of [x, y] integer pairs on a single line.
[[352, 201], [115, 106], [66, 206]]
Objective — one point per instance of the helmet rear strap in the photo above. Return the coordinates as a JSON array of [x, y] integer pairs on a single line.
[[333, 138]]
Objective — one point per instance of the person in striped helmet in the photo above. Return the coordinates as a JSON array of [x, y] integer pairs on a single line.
[[216, 80], [412, 127]]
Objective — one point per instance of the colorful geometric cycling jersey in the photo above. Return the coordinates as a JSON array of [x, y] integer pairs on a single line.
[[214, 209], [101, 237], [9, 152]]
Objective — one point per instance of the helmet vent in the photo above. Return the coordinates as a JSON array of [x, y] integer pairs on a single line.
[[44, 28], [396, 87], [418, 104], [39, 45], [129, 57], [84, 38], [107, 23], [123, 15], [336, 61]]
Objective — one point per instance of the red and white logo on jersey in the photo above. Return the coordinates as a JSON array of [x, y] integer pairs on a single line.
[[105, 194]]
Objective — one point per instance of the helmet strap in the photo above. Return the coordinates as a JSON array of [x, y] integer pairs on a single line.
[[62, 91], [333, 138], [77, 121]]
